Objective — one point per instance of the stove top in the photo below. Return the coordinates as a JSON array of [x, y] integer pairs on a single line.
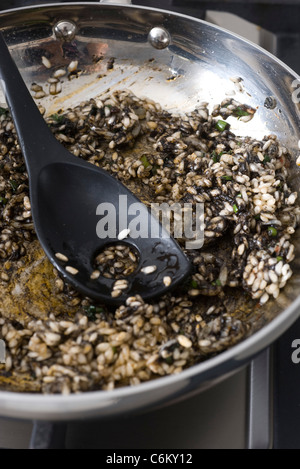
[[191, 424], [259, 406]]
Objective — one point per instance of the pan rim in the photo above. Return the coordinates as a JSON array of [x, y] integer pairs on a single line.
[[159, 10]]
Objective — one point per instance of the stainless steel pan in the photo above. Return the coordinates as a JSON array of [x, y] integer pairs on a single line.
[[201, 58]]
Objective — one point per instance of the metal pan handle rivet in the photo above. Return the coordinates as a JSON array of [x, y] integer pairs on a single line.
[[65, 30], [159, 38], [270, 102]]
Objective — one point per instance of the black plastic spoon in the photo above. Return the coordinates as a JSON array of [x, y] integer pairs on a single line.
[[65, 192]]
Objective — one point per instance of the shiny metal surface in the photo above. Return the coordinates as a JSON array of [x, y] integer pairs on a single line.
[[201, 59], [159, 38], [260, 403], [65, 30]]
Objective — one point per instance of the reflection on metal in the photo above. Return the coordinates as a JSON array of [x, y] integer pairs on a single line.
[[2, 351], [117, 2], [259, 423], [159, 38], [65, 30], [270, 102]]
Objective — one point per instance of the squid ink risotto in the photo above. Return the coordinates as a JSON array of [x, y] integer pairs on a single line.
[[60, 342]]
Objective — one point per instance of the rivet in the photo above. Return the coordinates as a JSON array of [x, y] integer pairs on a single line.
[[159, 37], [65, 30], [270, 102]]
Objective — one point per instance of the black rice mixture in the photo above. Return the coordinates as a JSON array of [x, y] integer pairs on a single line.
[[250, 217]]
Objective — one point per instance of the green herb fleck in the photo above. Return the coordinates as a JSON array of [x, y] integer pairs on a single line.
[[217, 283], [221, 125], [240, 112], [272, 231], [227, 178], [194, 284], [92, 310], [266, 159], [114, 349], [279, 258], [58, 118], [215, 157], [3, 200], [257, 217], [239, 196], [235, 208], [169, 360], [14, 184], [145, 161], [155, 167], [3, 111]]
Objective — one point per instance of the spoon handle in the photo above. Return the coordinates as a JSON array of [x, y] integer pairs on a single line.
[[35, 138]]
